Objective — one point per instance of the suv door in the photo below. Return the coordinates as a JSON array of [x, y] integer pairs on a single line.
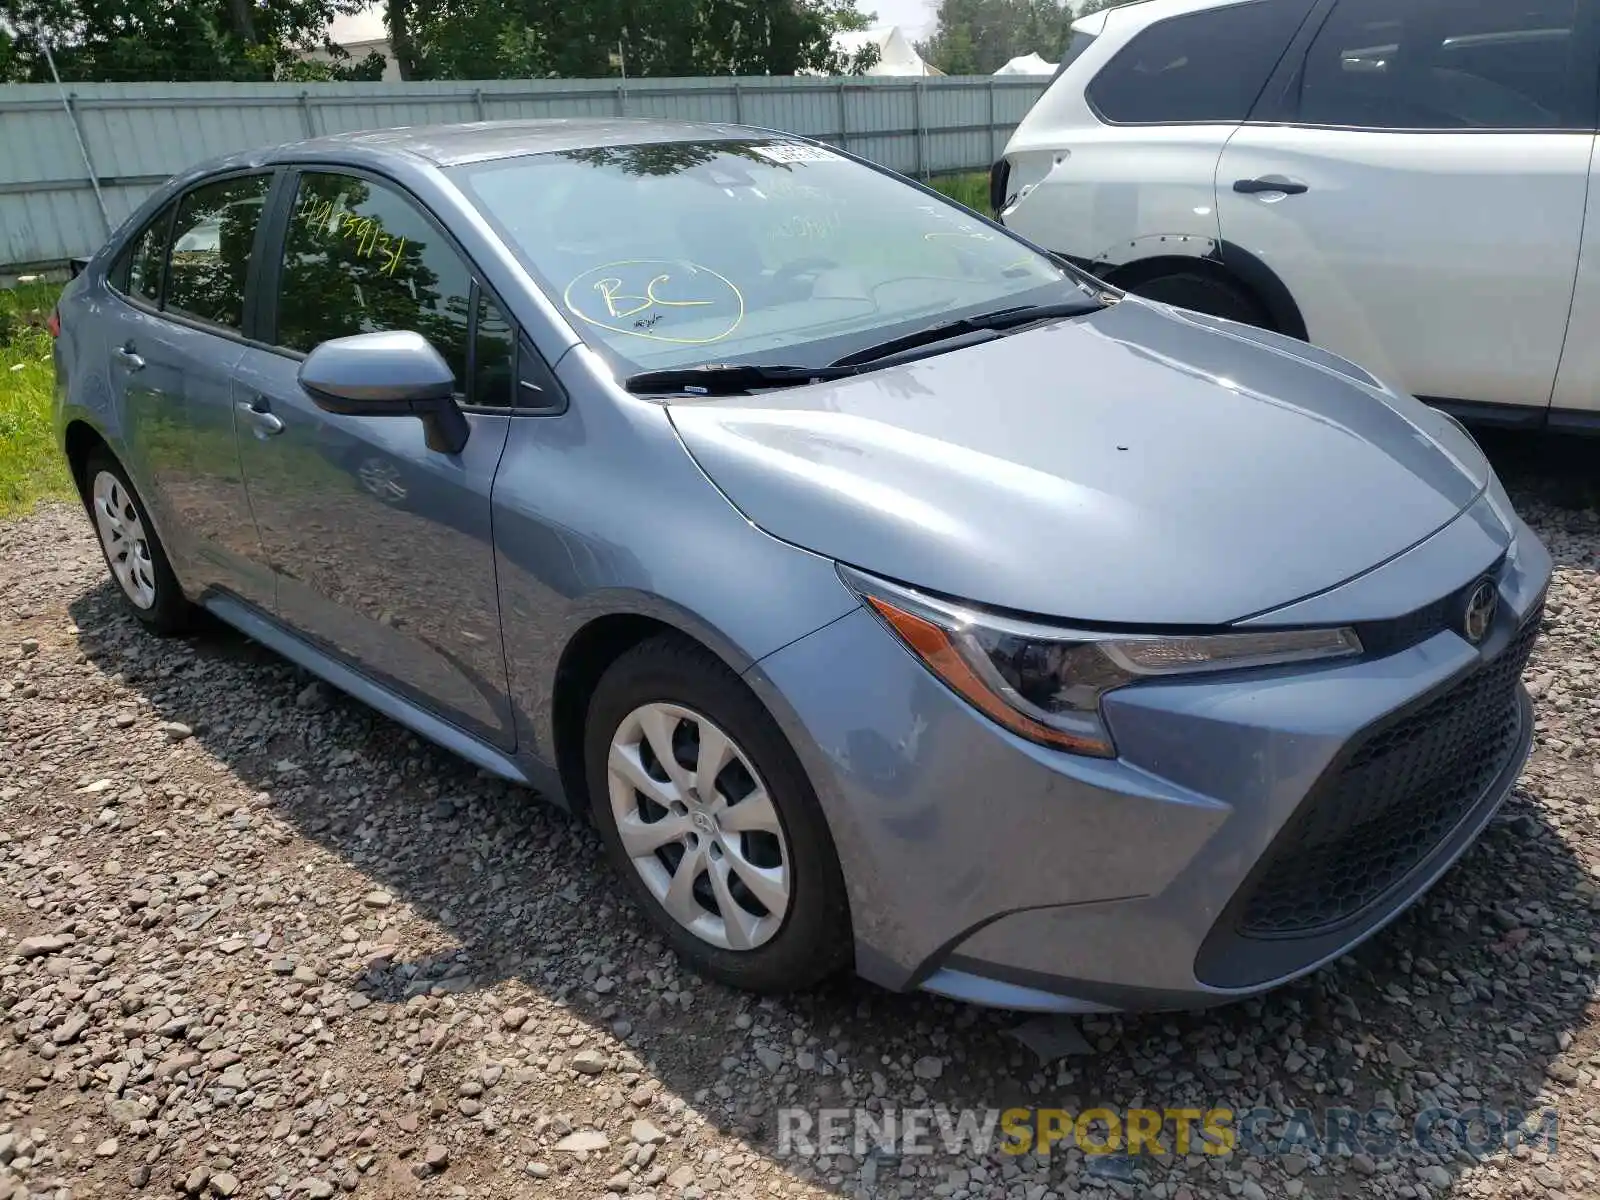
[[1123, 168], [1434, 157], [174, 342], [381, 547]]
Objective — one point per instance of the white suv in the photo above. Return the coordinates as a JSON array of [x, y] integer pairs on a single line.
[[1404, 182]]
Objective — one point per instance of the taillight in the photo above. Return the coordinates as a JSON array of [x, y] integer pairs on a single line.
[[53, 323]]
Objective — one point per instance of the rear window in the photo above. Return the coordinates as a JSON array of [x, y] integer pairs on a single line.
[[1206, 67]]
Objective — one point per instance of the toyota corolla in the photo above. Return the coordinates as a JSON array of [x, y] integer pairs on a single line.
[[887, 592]]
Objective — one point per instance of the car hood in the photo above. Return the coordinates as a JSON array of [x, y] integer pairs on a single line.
[[1135, 466]]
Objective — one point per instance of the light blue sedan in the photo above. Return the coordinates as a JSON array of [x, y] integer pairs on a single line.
[[887, 592]]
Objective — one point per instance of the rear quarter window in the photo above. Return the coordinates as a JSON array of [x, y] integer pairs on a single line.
[[1207, 67], [137, 270]]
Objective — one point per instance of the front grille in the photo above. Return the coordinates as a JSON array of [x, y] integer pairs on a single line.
[[1399, 794]]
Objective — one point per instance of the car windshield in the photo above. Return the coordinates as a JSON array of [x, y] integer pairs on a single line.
[[679, 254]]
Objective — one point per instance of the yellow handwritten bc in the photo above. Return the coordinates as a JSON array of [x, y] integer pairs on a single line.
[[612, 292], [609, 290]]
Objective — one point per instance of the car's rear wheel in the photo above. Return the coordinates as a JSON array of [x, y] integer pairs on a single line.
[[1205, 294], [707, 813], [133, 551]]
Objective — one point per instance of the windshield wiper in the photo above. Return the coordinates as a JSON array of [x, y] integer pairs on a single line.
[[1002, 318], [722, 379]]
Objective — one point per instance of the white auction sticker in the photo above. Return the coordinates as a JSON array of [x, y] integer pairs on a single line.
[[787, 152]]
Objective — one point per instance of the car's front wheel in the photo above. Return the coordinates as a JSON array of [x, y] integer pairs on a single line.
[[133, 551], [707, 813]]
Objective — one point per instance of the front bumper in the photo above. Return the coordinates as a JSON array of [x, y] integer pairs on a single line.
[[1243, 838]]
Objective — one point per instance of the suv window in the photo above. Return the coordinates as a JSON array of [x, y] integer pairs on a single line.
[[360, 258], [1076, 48], [1432, 64], [1206, 67], [212, 237]]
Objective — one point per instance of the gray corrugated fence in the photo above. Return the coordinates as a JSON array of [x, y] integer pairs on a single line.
[[136, 135]]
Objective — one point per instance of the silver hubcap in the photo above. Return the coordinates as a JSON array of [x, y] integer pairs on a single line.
[[122, 534], [697, 821]]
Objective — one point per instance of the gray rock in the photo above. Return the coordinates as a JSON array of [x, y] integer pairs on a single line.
[[588, 1062], [1434, 1176], [586, 1141], [44, 943], [928, 1067], [646, 1134], [514, 1018], [1051, 1037]]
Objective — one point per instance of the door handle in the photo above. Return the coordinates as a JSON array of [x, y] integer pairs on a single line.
[[263, 422], [127, 357], [1269, 183]]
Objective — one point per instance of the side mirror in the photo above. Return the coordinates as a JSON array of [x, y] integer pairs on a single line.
[[391, 374]]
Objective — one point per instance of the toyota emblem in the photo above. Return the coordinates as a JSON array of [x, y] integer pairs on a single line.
[[1481, 606]]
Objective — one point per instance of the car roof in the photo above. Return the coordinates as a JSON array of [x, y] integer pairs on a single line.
[[481, 141]]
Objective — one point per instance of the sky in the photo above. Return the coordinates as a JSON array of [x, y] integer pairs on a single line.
[[915, 17]]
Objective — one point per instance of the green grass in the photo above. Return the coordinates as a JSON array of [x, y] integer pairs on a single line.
[[31, 468], [971, 190]]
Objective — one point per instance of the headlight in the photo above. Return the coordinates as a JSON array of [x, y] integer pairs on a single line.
[[1045, 682]]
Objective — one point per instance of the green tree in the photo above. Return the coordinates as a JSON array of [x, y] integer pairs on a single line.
[[499, 39], [978, 37], [117, 40]]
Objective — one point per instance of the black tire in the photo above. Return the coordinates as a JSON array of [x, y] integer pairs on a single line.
[[170, 611], [1206, 294], [814, 939]]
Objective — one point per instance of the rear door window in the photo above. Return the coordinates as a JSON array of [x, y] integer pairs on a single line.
[[1207, 67], [212, 239], [1461, 64]]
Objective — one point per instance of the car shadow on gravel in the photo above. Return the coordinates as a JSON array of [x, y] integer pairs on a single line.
[[1464, 1003]]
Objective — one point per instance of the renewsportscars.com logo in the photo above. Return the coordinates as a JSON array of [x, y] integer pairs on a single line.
[[1257, 1132]]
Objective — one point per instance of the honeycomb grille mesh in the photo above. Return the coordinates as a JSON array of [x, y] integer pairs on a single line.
[[1398, 796]]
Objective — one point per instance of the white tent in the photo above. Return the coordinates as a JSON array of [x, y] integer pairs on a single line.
[[896, 54], [1027, 64]]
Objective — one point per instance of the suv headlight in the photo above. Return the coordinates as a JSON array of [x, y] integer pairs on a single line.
[[1045, 682]]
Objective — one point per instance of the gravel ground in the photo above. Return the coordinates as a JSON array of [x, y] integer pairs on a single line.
[[257, 940]]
